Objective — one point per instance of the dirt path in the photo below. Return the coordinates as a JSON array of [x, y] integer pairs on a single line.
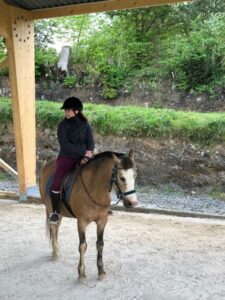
[[146, 257]]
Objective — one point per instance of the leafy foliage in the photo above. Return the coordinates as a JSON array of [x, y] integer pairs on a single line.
[[69, 81], [44, 60], [116, 51], [44, 32], [2, 48], [5, 110], [3, 71], [184, 43], [197, 60], [109, 93]]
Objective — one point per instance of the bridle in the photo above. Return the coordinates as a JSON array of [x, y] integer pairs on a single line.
[[114, 180]]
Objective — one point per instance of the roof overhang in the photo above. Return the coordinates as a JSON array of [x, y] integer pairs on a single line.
[[40, 9]]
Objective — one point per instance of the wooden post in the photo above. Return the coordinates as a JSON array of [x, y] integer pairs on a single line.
[[4, 14], [20, 46]]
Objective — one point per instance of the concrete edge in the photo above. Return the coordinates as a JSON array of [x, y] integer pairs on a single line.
[[15, 196], [186, 214], [168, 212]]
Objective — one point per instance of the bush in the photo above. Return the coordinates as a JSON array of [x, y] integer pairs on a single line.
[[70, 81], [109, 93], [44, 59], [113, 76]]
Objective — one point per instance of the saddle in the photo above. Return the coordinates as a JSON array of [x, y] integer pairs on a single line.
[[67, 184]]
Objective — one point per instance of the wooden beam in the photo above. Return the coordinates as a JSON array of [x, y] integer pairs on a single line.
[[4, 8], [20, 46], [95, 7], [4, 63], [3, 28], [4, 15], [3, 32]]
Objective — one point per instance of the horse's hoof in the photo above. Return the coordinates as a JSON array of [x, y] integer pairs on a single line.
[[55, 256], [102, 276], [81, 279]]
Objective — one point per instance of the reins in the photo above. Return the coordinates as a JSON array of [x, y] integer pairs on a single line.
[[85, 188]]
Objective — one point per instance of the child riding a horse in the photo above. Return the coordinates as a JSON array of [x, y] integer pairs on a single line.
[[76, 146]]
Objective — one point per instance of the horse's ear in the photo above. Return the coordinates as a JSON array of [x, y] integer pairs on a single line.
[[131, 154], [116, 159]]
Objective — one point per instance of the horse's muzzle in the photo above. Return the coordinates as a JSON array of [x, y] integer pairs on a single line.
[[131, 201]]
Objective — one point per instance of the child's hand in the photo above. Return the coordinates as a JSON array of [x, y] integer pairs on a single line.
[[88, 155]]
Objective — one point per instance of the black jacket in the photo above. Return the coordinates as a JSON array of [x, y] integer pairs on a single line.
[[75, 137]]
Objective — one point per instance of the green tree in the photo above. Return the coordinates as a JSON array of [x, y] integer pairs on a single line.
[[197, 60], [45, 61], [44, 32]]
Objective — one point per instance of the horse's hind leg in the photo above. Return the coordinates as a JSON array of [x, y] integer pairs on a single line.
[[81, 225], [100, 244]]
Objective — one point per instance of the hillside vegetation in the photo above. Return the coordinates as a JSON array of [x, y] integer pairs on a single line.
[[203, 128], [183, 45]]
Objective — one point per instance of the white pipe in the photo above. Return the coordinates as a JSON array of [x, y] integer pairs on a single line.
[[7, 168]]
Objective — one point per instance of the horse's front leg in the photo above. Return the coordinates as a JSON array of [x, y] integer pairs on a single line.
[[81, 226], [100, 244], [54, 230]]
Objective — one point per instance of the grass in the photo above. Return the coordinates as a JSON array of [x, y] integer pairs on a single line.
[[135, 121], [217, 192], [4, 176]]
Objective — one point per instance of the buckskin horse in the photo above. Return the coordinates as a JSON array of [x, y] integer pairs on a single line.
[[89, 200]]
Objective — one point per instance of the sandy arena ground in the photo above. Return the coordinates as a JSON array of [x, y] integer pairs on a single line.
[[146, 257]]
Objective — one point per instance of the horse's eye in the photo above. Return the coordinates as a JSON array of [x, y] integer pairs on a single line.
[[122, 179]]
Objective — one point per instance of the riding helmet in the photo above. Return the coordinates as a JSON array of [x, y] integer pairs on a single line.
[[73, 103]]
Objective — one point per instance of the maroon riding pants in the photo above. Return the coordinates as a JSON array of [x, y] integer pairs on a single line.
[[63, 166]]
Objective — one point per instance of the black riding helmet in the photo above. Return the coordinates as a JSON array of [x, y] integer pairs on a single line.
[[73, 103]]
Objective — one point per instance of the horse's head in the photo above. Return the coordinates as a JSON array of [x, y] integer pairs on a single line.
[[125, 175]]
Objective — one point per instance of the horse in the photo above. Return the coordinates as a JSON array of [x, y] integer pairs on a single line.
[[90, 199]]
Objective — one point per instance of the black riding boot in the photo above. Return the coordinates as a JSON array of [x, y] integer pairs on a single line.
[[55, 215]]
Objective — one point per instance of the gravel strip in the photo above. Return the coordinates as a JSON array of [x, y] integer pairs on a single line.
[[153, 198]]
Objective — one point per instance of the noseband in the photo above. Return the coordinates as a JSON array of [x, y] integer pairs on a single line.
[[114, 180]]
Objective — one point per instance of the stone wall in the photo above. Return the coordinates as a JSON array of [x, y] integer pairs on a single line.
[[158, 162]]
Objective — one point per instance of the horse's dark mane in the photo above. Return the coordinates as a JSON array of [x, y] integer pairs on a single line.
[[125, 161], [108, 154]]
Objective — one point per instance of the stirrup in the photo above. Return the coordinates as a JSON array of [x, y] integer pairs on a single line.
[[54, 218]]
